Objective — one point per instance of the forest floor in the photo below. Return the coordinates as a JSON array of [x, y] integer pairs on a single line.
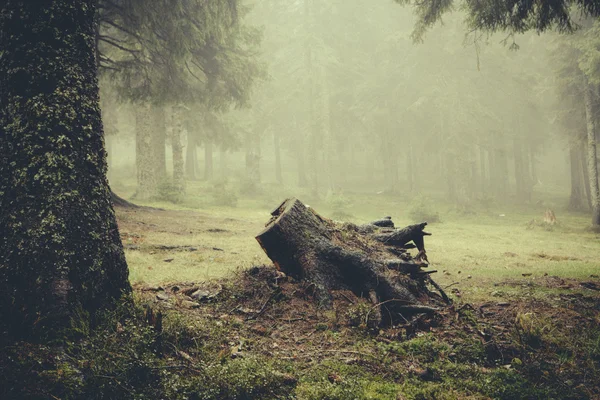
[[525, 322]]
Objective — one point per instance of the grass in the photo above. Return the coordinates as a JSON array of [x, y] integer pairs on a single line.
[[525, 337], [472, 251]]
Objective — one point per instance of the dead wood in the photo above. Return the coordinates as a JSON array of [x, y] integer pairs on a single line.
[[333, 256]]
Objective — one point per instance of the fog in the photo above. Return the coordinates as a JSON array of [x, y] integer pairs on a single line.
[[350, 102]]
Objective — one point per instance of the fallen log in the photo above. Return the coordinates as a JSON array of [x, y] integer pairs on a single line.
[[334, 256]]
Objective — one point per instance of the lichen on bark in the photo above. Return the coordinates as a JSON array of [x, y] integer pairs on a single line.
[[60, 250]]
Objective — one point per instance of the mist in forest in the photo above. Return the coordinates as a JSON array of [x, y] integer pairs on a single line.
[[347, 101]]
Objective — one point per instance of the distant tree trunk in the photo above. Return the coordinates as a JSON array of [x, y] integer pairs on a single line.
[[484, 176], [158, 126], [523, 187], [533, 165], [190, 157], [576, 198], [177, 148], [208, 160], [253, 160], [586, 176], [491, 153], [474, 182], [299, 153], [223, 170], [500, 171], [300, 158], [592, 156], [409, 167], [61, 256], [276, 146], [451, 178], [147, 180]]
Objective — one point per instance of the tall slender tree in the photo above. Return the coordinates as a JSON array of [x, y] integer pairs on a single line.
[[60, 251]]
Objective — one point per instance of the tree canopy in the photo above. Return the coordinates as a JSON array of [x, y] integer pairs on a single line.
[[514, 16]]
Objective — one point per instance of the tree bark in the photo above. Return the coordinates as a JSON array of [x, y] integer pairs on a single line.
[[330, 256], [147, 179], [302, 180], [158, 129], [223, 167], [60, 252], [482, 163], [585, 173], [523, 186], [177, 148], [253, 155], [592, 156], [277, 147], [576, 198], [208, 160], [190, 157]]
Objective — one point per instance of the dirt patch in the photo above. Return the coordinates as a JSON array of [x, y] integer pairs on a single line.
[[555, 257], [268, 313], [553, 282]]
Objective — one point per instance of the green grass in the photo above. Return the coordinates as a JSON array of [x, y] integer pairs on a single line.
[[489, 244]]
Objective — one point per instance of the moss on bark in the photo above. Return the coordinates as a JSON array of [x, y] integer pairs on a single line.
[[60, 250]]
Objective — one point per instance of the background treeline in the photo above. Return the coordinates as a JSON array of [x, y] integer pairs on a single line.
[[337, 97]]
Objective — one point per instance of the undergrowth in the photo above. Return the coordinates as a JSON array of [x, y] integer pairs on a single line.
[[214, 353]]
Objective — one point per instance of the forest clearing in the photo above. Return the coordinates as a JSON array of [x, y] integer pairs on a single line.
[[524, 322], [312, 200]]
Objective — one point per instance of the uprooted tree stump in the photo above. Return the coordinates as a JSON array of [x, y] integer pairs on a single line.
[[370, 260]]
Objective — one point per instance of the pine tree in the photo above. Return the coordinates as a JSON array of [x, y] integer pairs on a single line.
[[60, 252]]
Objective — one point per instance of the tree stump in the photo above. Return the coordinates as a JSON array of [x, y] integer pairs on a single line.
[[371, 260]]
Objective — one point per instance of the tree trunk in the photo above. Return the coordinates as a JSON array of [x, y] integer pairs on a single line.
[[302, 180], [158, 128], [190, 157], [278, 175], [576, 198], [108, 144], [331, 256], [523, 186], [147, 179], [208, 160], [484, 176], [533, 164], [409, 168], [61, 253], [223, 169], [500, 182], [253, 161], [177, 148], [585, 173], [591, 156]]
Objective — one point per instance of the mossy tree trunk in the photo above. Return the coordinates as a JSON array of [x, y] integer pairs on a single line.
[[60, 254]]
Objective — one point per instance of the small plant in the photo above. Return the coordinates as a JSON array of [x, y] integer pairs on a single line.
[[358, 314], [168, 191], [223, 195], [532, 329], [422, 209]]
